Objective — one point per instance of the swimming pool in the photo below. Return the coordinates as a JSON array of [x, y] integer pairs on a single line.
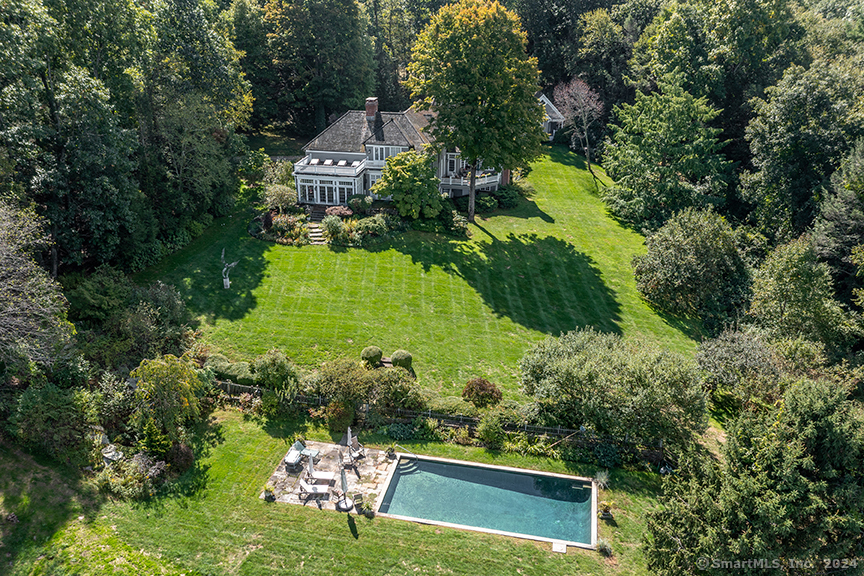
[[496, 499]]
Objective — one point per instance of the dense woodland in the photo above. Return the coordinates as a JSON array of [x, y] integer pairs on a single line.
[[734, 132]]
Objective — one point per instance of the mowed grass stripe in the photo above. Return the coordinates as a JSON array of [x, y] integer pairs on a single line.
[[462, 308]]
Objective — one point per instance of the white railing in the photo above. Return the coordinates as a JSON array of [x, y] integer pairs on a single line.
[[479, 181], [303, 167], [375, 163]]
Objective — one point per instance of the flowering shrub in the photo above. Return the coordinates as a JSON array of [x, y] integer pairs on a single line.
[[288, 230], [341, 211]]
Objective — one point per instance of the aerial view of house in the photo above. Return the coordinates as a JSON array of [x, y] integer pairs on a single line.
[[374, 287]]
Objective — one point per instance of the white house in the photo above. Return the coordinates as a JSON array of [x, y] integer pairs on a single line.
[[553, 120], [348, 156]]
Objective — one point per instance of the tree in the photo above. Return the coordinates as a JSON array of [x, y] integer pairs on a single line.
[[840, 224], [793, 296], [664, 157], [249, 35], [788, 487], [33, 325], [470, 66], [615, 386], [167, 391], [601, 61], [322, 54], [581, 107], [798, 138], [693, 268], [409, 179]]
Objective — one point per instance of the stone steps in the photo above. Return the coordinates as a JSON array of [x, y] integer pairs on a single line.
[[316, 235]]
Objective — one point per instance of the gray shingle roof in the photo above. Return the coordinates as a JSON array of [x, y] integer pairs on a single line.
[[352, 131]]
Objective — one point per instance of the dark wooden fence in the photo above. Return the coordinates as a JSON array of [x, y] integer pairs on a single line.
[[581, 438]]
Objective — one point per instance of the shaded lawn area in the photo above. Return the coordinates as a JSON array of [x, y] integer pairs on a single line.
[[276, 142], [462, 308], [221, 527]]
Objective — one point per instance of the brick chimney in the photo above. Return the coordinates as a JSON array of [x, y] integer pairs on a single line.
[[371, 108]]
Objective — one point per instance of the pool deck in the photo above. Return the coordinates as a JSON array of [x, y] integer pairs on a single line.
[[366, 478]]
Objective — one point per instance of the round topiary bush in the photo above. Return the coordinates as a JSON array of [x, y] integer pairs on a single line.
[[402, 358], [371, 355], [481, 392]]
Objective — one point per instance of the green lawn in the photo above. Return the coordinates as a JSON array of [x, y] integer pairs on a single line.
[[276, 143], [214, 522], [462, 308]]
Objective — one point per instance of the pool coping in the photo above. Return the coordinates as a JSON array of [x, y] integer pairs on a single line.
[[400, 455]]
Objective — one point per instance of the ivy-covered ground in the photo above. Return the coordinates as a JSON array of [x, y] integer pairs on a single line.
[[212, 521], [462, 308]]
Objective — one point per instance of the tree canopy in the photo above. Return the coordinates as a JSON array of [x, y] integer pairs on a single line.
[[409, 179], [664, 156], [470, 67]]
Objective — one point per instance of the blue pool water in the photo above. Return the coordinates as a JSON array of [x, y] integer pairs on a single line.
[[516, 502]]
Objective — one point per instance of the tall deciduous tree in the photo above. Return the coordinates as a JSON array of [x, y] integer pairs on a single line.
[[470, 66], [322, 53], [664, 157], [793, 296], [581, 107], [33, 325], [798, 138]]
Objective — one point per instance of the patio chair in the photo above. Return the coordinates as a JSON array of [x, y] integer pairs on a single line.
[[295, 455], [320, 476], [355, 449], [359, 505], [313, 489]]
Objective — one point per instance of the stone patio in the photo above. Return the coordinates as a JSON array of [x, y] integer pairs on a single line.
[[367, 478]]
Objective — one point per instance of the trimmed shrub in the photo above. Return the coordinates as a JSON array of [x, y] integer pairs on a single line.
[[241, 373], [275, 372], [333, 227], [607, 455], [508, 197], [485, 203], [341, 211], [402, 358], [481, 392], [374, 226], [338, 416], [395, 388], [371, 355], [482, 203]]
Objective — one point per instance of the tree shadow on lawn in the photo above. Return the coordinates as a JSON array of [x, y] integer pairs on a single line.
[[44, 495], [196, 271], [527, 209], [543, 284]]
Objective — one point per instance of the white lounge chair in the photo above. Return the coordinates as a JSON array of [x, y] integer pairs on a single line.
[[313, 489], [312, 476], [295, 455]]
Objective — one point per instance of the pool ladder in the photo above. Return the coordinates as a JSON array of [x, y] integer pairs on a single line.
[[409, 451], [409, 467]]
